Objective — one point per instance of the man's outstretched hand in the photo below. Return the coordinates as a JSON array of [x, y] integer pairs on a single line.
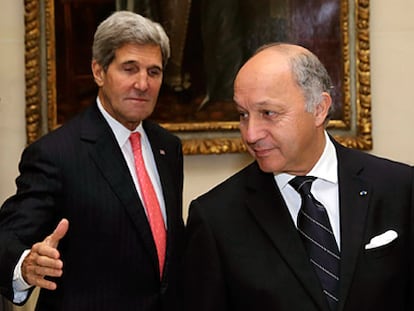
[[44, 259]]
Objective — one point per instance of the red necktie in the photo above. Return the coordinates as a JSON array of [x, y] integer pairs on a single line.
[[149, 197]]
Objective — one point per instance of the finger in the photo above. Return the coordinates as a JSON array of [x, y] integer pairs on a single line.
[[46, 271], [38, 280], [49, 262], [37, 272], [43, 249], [59, 232], [43, 283]]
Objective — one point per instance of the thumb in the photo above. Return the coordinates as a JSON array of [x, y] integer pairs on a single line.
[[58, 233]]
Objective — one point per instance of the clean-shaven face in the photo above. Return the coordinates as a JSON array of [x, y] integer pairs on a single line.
[[129, 88], [277, 130]]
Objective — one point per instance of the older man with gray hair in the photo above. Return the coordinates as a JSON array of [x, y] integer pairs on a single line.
[[96, 222]]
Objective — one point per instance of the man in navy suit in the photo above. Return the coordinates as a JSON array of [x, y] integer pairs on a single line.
[[245, 251], [77, 226]]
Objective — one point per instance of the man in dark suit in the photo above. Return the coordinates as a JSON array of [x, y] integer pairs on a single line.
[[250, 246], [78, 226]]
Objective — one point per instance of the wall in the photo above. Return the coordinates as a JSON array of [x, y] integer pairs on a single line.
[[12, 92], [392, 63], [12, 100]]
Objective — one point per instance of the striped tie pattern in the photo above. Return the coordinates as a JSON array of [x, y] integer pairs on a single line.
[[317, 235], [151, 203]]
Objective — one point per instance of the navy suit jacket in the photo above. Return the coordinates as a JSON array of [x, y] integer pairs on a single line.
[[110, 260], [244, 252]]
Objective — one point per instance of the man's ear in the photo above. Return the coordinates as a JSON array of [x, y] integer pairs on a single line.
[[98, 73], [322, 109]]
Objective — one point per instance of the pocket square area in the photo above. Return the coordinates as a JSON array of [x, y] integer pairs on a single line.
[[382, 239]]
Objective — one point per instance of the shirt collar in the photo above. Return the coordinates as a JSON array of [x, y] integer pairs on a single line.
[[121, 132], [325, 168]]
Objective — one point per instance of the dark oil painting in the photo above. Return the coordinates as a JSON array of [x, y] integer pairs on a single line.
[[210, 40]]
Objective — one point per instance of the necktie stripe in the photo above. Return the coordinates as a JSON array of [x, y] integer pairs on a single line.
[[317, 235], [329, 273], [302, 183], [319, 245], [317, 222], [328, 294]]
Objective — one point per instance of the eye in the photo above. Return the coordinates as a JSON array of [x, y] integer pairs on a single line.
[[243, 115], [154, 72], [268, 113], [130, 68]]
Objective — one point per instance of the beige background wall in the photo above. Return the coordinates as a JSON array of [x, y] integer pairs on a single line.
[[392, 65]]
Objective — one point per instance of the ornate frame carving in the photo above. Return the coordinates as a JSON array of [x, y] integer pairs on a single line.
[[206, 137]]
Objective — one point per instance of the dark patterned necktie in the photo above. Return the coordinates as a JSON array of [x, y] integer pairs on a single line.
[[316, 232]]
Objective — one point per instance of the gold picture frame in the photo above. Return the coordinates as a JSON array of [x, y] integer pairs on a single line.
[[352, 130]]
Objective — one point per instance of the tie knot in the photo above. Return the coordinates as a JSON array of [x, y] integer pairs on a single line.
[[135, 139], [302, 184]]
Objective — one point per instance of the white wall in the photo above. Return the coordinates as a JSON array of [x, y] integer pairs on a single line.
[[202, 172], [12, 92], [392, 65], [12, 98]]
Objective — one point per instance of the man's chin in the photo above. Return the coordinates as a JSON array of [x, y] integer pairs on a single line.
[[266, 166], [139, 117]]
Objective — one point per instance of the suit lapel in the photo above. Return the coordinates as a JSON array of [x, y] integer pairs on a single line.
[[270, 211], [354, 195], [109, 159]]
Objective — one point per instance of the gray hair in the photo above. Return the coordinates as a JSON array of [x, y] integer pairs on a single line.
[[308, 72], [125, 27], [312, 77]]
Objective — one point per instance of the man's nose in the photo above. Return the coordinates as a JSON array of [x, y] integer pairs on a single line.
[[253, 131], [141, 82]]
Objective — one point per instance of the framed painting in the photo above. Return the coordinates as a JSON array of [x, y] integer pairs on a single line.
[[210, 40]]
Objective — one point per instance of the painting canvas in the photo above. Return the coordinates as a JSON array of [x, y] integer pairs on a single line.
[[210, 40]]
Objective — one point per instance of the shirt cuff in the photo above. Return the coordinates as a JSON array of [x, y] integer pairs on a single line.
[[20, 287]]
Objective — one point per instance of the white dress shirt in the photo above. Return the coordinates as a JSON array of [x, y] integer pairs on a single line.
[[122, 136], [324, 188]]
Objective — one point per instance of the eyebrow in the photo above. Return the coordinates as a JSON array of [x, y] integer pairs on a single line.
[[133, 62], [260, 104], [263, 103]]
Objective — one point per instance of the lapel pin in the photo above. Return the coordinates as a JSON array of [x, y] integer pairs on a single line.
[[363, 193], [162, 151]]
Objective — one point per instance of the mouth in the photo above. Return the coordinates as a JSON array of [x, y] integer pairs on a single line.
[[261, 152], [137, 99]]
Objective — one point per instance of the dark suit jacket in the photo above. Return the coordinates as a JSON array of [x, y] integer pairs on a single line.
[[110, 260], [244, 252]]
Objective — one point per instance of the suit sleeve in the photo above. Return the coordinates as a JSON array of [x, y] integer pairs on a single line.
[[28, 216], [204, 286]]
